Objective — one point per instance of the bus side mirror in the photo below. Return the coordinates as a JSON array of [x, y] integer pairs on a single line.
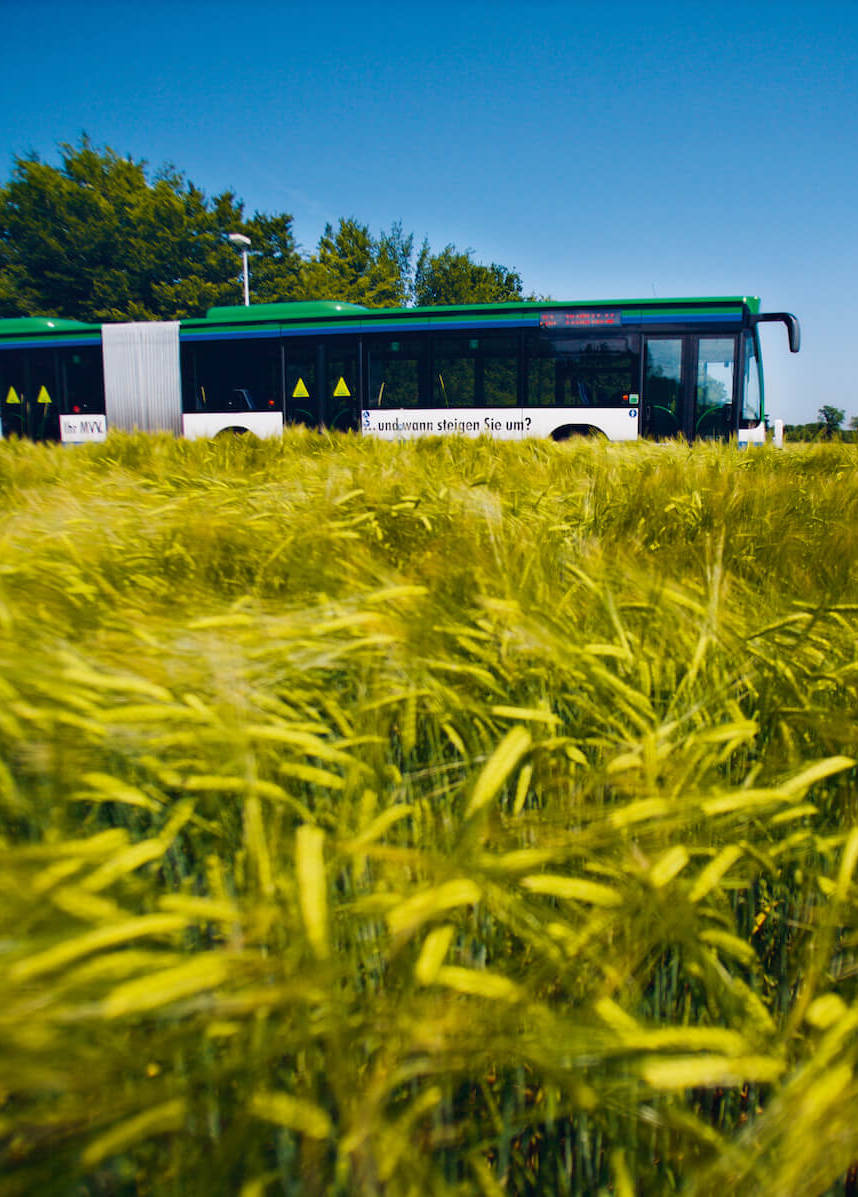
[[792, 326]]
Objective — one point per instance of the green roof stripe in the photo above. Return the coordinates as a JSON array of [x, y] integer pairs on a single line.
[[35, 325]]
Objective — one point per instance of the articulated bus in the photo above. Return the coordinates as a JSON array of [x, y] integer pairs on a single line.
[[621, 368]]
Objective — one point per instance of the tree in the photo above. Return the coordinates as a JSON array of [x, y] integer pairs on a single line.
[[99, 239], [453, 277], [276, 265], [832, 418], [351, 265], [397, 250], [96, 239]]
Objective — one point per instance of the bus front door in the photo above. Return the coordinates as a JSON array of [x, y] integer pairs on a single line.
[[689, 385], [666, 385], [715, 376]]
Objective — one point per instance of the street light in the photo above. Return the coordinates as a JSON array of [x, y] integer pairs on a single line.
[[243, 243]]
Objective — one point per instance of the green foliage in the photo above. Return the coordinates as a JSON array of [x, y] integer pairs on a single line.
[[350, 264], [832, 418], [441, 817], [97, 239], [277, 267], [803, 433], [452, 277]]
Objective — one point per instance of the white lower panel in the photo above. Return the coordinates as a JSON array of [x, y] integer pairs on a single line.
[[506, 423], [212, 423], [78, 430], [753, 436]]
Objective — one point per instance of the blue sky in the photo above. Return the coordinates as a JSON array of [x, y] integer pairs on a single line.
[[603, 151]]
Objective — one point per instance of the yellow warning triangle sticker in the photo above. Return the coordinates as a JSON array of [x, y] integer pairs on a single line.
[[300, 391], [341, 391], [12, 396], [43, 396]]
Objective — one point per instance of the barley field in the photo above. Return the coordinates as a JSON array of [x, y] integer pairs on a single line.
[[437, 818]]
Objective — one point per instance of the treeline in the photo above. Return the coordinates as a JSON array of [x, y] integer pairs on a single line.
[[100, 238], [817, 431], [828, 427]]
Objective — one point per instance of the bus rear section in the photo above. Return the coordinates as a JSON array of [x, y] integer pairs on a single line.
[[51, 380]]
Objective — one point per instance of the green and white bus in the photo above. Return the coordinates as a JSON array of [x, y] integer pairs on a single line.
[[623, 369]]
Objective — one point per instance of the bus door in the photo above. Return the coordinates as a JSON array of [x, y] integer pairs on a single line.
[[715, 383], [342, 383], [301, 371], [665, 392], [322, 382], [689, 386], [29, 394]]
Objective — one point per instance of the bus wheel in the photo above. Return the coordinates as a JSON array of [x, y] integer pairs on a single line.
[[234, 431]]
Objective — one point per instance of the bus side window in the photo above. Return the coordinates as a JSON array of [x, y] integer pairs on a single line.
[[582, 371], [242, 400], [395, 371], [82, 381], [475, 371]]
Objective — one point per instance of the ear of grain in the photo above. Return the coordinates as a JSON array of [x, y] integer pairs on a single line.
[[498, 768], [313, 886]]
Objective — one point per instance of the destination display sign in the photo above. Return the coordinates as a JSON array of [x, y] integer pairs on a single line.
[[579, 319]]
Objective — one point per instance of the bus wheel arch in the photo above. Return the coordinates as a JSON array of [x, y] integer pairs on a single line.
[[567, 431], [233, 430]]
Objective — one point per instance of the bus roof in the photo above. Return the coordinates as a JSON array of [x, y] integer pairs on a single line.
[[314, 309], [46, 332], [332, 313], [22, 325], [284, 312], [329, 313]]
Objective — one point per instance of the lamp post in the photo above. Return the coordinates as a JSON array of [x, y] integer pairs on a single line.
[[243, 243]]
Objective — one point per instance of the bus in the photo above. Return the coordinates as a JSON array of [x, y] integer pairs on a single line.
[[622, 369]]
